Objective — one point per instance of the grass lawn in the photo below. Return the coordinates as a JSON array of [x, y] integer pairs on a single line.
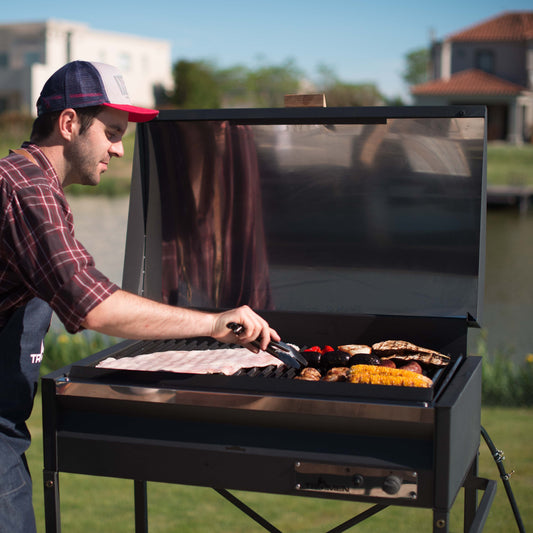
[[90, 503], [509, 165]]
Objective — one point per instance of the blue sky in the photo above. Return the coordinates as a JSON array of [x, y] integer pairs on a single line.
[[361, 41]]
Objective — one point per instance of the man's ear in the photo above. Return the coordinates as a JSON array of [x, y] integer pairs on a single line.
[[68, 123]]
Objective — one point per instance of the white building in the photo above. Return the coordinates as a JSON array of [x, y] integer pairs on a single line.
[[490, 63], [31, 52]]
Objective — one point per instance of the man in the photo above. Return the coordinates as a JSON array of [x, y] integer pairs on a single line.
[[83, 112]]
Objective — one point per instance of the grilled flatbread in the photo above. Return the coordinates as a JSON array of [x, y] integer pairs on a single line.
[[407, 351]]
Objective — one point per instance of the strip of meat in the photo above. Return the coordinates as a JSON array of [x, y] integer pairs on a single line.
[[407, 351], [426, 358], [355, 349], [219, 361]]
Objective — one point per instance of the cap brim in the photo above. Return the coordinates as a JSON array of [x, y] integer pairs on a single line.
[[136, 114]]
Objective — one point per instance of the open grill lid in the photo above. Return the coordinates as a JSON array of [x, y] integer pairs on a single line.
[[332, 210]]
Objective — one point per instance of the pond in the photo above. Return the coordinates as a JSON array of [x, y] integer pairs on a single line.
[[508, 297]]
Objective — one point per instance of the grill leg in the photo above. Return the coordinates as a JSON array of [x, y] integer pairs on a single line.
[[470, 505], [441, 521], [141, 506], [475, 515], [52, 517]]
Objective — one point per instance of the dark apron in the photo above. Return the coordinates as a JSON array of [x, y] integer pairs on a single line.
[[21, 352]]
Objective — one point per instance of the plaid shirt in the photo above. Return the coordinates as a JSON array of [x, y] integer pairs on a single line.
[[39, 255]]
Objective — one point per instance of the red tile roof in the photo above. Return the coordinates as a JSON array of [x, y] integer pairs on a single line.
[[509, 26], [469, 82]]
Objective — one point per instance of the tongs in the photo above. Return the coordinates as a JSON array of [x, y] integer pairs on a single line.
[[285, 353]]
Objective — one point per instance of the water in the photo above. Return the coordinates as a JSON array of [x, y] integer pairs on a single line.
[[508, 297], [508, 306]]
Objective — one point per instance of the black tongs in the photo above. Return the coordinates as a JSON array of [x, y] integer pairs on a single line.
[[285, 353]]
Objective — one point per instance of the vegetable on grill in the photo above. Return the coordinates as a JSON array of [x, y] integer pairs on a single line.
[[379, 375], [334, 358]]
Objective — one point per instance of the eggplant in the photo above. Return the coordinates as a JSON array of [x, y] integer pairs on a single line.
[[334, 358], [312, 357], [364, 359]]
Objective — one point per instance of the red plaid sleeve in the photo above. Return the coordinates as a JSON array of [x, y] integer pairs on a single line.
[[40, 255]]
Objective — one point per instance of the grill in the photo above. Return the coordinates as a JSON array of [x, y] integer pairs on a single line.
[[349, 225]]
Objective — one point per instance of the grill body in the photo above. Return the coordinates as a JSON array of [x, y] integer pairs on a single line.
[[326, 269]]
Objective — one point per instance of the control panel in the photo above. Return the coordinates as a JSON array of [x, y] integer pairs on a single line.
[[355, 480]]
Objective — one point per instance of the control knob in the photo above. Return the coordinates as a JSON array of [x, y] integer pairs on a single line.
[[392, 484], [358, 481]]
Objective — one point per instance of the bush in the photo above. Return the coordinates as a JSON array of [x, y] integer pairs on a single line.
[[505, 383], [62, 348]]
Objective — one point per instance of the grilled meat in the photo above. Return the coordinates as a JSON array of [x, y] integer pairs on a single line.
[[309, 374], [413, 366], [407, 351], [355, 349], [337, 374]]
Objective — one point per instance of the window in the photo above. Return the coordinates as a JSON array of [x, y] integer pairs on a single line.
[[31, 57], [124, 62], [484, 60], [3, 60]]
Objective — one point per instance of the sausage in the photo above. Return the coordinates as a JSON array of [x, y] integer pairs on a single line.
[[413, 366]]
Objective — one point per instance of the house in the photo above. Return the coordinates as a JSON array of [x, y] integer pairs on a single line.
[[31, 52], [490, 63]]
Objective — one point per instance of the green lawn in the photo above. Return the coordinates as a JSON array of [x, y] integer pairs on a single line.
[[509, 165], [91, 504]]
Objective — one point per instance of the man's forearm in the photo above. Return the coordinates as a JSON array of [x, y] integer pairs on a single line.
[[130, 316]]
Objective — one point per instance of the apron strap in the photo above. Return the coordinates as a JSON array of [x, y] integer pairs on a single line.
[[24, 153]]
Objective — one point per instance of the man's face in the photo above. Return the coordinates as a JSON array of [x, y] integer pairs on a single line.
[[89, 154]]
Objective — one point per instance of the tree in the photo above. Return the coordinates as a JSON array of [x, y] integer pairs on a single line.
[[196, 85], [232, 83], [417, 67], [199, 84], [269, 84], [352, 94], [342, 94]]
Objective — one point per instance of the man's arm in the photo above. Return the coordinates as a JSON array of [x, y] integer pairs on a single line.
[[130, 316]]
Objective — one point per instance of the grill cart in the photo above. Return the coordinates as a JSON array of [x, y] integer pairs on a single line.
[[338, 225]]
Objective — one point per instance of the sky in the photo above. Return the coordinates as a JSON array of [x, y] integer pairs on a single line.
[[361, 41]]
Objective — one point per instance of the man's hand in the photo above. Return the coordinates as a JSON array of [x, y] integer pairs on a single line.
[[255, 328]]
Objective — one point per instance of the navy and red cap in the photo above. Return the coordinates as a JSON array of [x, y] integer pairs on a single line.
[[83, 84]]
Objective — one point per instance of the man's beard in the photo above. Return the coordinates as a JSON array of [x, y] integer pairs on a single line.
[[83, 170]]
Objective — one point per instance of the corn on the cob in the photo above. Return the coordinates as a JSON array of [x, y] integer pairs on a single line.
[[380, 375]]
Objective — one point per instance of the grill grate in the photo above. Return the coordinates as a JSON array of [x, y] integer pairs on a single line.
[[440, 376]]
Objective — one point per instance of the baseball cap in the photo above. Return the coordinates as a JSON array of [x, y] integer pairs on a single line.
[[86, 83]]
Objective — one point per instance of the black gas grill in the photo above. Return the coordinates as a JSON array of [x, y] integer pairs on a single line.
[[340, 226]]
